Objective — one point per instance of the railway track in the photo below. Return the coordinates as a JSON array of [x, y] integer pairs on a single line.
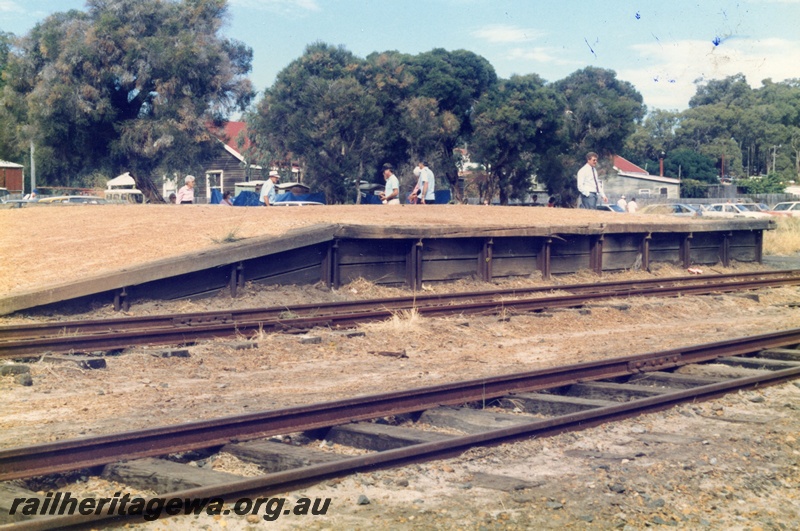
[[105, 334], [489, 411]]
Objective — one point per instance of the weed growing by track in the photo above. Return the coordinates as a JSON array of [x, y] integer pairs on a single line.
[[785, 239]]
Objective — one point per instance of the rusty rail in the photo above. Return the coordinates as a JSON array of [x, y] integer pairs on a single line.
[[63, 328], [183, 329], [287, 480], [74, 454]]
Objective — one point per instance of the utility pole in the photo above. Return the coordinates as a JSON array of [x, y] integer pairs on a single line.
[[774, 155], [33, 168]]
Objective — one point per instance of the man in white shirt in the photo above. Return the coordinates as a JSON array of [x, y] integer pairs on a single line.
[[622, 203], [589, 185], [391, 193], [268, 193], [632, 206], [426, 185]]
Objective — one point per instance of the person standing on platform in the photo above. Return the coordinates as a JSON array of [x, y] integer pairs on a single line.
[[589, 185], [268, 193], [391, 193], [426, 186], [185, 195]]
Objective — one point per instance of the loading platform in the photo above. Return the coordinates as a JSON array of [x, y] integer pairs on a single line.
[[410, 256]]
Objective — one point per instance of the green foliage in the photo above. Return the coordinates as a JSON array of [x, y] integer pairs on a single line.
[[129, 85], [693, 188], [755, 130], [343, 116], [769, 184], [320, 112], [690, 165], [513, 126], [601, 111]]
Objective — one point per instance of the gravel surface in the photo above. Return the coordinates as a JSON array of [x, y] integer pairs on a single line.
[[731, 463], [53, 244]]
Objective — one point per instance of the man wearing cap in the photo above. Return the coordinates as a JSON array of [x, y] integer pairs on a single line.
[[426, 185], [268, 193], [622, 203], [391, 193]]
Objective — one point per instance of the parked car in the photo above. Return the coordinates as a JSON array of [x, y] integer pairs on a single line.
[[672, 209], [790, 208], [297, 203], [610, 208], [756, 207], [72, 199], [734, 210], [125, 196]]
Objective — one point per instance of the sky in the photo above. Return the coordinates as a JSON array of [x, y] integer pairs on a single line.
[[662, 48]]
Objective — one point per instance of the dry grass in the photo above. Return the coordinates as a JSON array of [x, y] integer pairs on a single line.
[[402, 321], [785, 239]]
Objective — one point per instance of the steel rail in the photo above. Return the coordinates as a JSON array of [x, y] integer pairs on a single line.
[[74, 327], [184, 335], [87, 452], [291, 479]]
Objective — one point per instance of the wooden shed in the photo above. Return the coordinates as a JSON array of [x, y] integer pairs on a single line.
[[11, 177], [229, 166]]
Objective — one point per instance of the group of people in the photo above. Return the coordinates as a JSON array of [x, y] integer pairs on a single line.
[[423, 193], [628, 206], [591, 187], [185, 195]]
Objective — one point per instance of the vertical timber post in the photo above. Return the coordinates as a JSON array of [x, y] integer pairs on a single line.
[[121, 300], [334, 270], [596, 254], [485, 261], [237, 278], [646, 251], [326, 274], [544, 258], [759, 250], [418, 265], [686, 250], [725, 249], [414, 266]]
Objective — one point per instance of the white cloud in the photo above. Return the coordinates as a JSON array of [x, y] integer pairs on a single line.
[[281, 6], [502, 33], [540, 54], [8, 6], [667, 75]]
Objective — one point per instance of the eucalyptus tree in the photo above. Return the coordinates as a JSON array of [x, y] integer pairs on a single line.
[[129, 85], [601, 111], [319, 112], [514, 125]]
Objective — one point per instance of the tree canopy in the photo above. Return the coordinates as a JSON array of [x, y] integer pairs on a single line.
[[137, 85], [514, 125], [129, 85], [741, 131]]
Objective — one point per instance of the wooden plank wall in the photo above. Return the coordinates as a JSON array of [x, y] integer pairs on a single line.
[[411, 262], [318, 255]]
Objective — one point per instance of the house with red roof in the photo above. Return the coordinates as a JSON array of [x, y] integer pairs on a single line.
[[230, 166], [628, 179]]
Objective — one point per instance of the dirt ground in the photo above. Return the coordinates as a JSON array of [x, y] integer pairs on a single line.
[[53, 244], [732, 463]]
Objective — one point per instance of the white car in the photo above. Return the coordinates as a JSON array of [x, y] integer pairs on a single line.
[[788, 209], [734, 210]]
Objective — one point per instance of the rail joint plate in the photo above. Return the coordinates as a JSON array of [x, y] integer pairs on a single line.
[[654, 364]]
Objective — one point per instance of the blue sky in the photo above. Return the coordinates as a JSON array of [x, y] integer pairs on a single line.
[[660, 47]]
